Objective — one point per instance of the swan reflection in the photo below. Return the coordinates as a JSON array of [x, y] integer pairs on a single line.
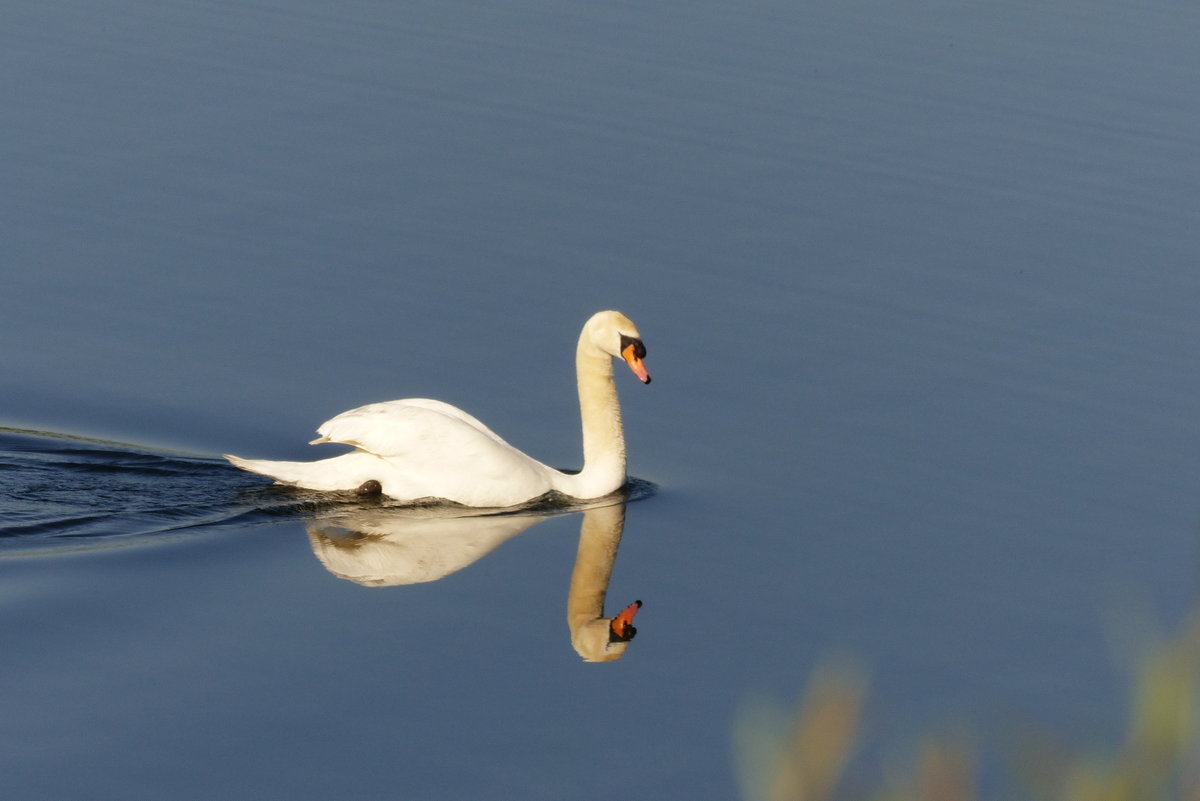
[[379, 547]]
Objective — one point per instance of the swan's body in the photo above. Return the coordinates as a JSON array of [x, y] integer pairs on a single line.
[[426, 449]]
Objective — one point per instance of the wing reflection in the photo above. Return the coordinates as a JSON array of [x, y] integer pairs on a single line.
[[379, 547], [389, 547]]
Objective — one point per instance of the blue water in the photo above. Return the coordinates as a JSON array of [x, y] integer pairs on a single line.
[[918, 287]]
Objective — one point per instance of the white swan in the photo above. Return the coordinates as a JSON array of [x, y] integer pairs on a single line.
[[426, 449]]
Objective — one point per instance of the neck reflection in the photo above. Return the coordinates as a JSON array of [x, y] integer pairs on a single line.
[[595, 637]]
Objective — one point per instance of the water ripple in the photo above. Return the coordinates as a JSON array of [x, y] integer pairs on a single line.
[[60, 491], [57, 490]]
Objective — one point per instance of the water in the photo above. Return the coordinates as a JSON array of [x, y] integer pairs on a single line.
[[918, 290]]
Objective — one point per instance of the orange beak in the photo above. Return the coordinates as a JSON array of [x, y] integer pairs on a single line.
[[623, 623], [635, 364]]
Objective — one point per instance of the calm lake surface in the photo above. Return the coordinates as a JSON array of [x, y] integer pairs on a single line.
[[918, 285]]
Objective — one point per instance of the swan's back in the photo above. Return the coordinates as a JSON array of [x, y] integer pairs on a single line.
[[392, 427]]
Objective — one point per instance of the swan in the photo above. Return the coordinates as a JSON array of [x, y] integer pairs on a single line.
[[422, 449]]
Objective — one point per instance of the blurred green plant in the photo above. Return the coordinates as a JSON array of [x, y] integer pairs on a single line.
[[803, 756]]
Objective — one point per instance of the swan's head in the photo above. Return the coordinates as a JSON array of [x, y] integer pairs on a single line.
[[615, 334], [605, 639]]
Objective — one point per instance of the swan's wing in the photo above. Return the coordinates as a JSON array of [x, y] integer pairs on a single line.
[[406, 427], [431, 449], [448, 410]]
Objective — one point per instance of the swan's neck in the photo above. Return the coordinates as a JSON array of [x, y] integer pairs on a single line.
[[603, 436]]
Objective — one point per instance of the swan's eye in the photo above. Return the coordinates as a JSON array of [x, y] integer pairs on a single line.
[[639, 350]]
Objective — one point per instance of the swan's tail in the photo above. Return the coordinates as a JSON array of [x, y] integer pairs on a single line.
[[345, 472]]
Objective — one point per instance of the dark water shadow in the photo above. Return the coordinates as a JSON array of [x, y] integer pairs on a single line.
[[60, 491]]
